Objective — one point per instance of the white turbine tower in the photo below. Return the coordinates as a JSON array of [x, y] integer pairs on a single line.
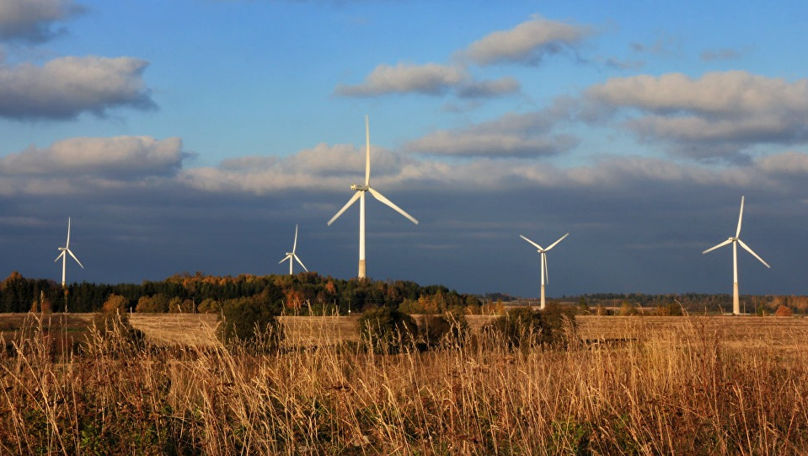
[[543, 252], [292, 256], [65, 251], [736, 306], [360, 195]]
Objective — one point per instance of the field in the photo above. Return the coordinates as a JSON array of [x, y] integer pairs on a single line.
[[624, 385]]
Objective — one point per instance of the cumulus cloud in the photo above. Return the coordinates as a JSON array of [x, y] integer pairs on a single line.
[[512, 135], [65, 87], [321, 167], [32, 20], [122, 157], [488, 88], [716, 115], [133, 164], [612, 173], [429, 79], [472, 143], [526, 43]]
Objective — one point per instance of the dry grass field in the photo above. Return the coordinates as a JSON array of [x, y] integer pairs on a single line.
[[655, 385]]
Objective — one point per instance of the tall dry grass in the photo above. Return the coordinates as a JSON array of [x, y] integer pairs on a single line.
[[683, 391]]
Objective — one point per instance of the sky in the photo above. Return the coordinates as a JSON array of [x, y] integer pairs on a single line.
[[193, 135]]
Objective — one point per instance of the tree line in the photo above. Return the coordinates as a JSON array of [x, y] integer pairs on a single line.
[[304, 293], [311, 293]]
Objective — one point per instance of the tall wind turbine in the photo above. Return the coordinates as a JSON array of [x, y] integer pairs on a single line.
[[543, 252], [65, 251], [736, 306], [360, 195], [292, 256]]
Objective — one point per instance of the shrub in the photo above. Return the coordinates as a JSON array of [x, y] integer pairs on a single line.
[[113, 323], [387, 331], [209, 305], [526, 327], [250, 320], [628, 309], [448, 329], [179, 305], [157, 303], [783, 311], [115, 303]]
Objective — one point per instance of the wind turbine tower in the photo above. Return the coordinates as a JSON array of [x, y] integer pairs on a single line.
[[359, 194], [735, 240], [543, 252], [66, 251], [292, 256]]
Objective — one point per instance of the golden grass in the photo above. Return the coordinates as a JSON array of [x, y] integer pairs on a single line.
[[682, 385]]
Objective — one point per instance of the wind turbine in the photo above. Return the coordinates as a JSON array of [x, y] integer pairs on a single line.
[[65, 251], [360, 195], [543, 252], [292, 256], [736, 307]]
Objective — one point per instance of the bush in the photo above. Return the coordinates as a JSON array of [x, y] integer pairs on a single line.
[[157, 303], [387, 331], [209, 305], [115, 304], [628, 309], [783, 311], [449, 329], [526, 327], [112, 323], [250, 320]]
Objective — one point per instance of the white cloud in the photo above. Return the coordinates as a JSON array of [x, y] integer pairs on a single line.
[[31, 20], [725, 93], [716, 115], [512, 135], [430, 79], [786, 163], [488, 88], [322, 167], [122, 157], [84, 166], [477, 143], [65, 87], [528, 42]]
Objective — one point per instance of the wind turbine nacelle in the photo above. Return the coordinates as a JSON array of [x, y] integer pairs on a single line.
[[359, 188]]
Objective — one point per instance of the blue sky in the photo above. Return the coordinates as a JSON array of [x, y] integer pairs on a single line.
[[194, 134]]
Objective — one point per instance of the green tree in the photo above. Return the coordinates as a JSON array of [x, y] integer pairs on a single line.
[[250, 320], [387, 331]]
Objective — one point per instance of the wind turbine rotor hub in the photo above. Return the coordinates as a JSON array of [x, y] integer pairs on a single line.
[[359, 187]]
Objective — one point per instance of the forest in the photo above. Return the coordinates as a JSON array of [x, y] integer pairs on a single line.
[[311, 293]]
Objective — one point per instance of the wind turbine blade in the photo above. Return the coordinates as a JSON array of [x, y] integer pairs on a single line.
[[534, 244], [546, 270], [367, 151], [74, 257], [746, 247], [59, 257], [345, 208], [740, 218], [386, 201], [300, 263], [67, 244], [284, 259], [728, 241], [556, 242], [294, 246]]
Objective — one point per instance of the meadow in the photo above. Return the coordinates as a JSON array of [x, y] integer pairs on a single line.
[[621, 385]]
